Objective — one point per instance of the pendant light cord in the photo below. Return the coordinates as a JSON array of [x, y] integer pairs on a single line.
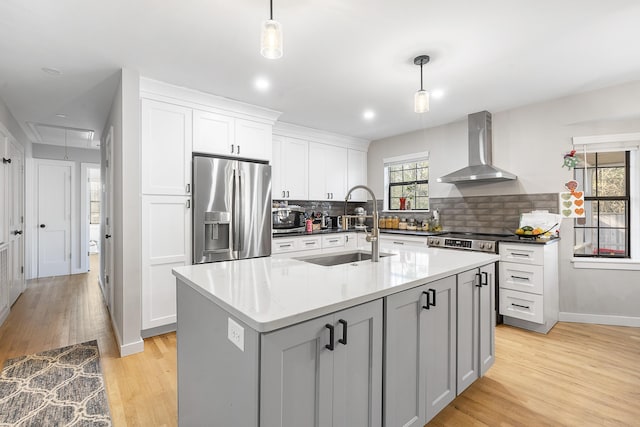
[[271, 10], [421, 88]]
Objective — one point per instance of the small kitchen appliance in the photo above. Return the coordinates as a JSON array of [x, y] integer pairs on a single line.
[[288, 219]]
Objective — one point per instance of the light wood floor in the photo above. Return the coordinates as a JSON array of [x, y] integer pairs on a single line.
[[578, 375]]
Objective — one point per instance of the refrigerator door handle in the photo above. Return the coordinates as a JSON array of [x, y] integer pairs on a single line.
[[240, 229], [234, 214]]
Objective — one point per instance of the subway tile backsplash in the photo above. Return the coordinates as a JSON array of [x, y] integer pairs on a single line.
[[486, 214]]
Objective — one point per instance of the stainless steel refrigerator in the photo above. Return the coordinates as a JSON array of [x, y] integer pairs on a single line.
[[231, 209]]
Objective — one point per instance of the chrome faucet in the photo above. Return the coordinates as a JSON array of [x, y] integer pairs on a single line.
[[372, 237]]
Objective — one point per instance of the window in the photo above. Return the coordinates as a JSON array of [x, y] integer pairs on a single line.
[[604, 232], [407, 182], [94, 196]]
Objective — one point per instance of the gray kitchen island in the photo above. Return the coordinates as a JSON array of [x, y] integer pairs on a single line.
[[286, 342]]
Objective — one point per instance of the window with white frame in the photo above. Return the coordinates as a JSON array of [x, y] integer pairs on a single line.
[[406, 182], [609, 177]]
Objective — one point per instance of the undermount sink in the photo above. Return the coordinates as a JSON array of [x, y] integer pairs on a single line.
[[341, 258]]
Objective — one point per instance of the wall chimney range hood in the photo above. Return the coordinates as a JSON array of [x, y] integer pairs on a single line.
[[480, 168]]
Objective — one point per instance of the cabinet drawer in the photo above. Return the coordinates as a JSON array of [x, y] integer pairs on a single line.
[[280, 246], [521, 277], [522, 253], [333, 241], [521, 305], [308, 243]]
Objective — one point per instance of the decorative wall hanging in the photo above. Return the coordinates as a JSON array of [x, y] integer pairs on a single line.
[[570, 160], [572, 202]]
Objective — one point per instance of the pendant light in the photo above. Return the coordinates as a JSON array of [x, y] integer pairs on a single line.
[[271, 46], [421, 99]]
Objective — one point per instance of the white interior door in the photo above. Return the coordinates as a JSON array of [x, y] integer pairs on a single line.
[[16, 222], [106, 254], [54, 185]]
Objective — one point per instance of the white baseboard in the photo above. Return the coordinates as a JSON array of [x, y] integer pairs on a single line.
[[601, 319], [126, 349], [4, 314]]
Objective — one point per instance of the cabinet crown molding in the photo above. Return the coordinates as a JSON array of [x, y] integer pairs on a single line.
[[316, 135], [173, 94]]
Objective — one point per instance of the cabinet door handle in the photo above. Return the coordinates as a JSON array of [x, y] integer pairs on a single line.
[[433, 294], [331, 336], [485, 275], [188, 188], [343, 340], [426, 307], [232, 148], [288, 194], [238, 152], [188, 204], [283, 194], [479, 285]]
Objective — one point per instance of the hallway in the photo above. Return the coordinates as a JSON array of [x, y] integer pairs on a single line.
[[59, 311]]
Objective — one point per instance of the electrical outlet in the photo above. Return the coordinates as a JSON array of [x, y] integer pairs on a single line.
[[236, 334]]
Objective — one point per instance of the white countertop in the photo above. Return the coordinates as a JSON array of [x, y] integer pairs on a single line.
[[272, 293]]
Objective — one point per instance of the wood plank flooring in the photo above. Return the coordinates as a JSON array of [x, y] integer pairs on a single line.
[[577, 375]]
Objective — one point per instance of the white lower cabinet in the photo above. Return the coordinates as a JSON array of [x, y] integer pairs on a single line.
[[420, 353], [476, 324], [284, 247], [166, 243], [391, 240], [529, 285], [323, 372]]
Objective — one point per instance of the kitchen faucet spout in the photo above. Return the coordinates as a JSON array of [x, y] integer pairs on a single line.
[[374, 236]]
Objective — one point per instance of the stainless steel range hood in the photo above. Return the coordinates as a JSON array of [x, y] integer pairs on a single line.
[[480, 168]]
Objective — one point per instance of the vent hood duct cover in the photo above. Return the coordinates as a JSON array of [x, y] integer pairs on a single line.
[[480, 168]]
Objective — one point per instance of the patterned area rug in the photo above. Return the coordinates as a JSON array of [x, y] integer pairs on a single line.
[[61, 387]]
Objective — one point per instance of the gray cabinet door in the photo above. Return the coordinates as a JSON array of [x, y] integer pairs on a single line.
[[487, 322], [357, 380], [405, 378], [468, 328], [304, 383], [440, 346], [297, 376]]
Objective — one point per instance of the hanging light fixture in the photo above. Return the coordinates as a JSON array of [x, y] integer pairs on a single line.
[[421, 100], [271, 46]]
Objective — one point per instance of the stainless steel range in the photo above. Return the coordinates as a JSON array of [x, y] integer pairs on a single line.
[[478, 242]]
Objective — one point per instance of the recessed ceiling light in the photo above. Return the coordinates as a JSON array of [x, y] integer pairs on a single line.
[[52, 71], [369, 114], [61, 115], [437, 93], [262, 84]]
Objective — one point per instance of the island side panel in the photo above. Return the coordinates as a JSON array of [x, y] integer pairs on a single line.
[[217, 382]]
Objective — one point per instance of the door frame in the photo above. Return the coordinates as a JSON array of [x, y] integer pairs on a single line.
[[18, 189], [85, 222], [106, 273], [74, 220]]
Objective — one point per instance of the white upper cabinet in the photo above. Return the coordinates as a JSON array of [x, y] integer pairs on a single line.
[[228, 136], [166, 148], [357, 174], [253, 139], [289, 173], [212, 133], [327, 172]]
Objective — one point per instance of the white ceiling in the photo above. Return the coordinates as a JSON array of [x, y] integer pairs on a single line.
[[340, 56]]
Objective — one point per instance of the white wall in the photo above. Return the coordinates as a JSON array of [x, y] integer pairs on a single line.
[[125, 119], [530, 141]]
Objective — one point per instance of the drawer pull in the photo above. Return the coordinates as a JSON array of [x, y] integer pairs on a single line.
[[333, 241], [520, 255], [521, 306], [285, 246], [398, 243], [519, 277], [309, 243]]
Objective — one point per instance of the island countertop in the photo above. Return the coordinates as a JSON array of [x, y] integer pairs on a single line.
[[271, 293]]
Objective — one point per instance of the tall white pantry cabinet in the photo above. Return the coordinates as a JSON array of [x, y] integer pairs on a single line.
[[175, 123]]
